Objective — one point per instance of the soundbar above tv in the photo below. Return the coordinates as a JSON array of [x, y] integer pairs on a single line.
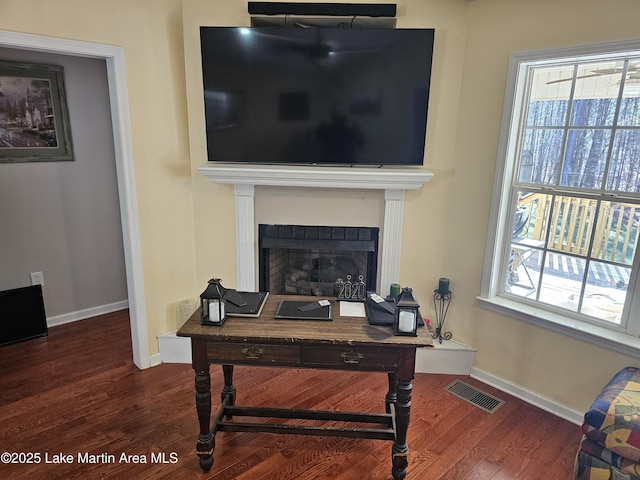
[[342, 96], [332, 9]]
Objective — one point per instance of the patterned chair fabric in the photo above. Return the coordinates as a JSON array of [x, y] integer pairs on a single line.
[[610, 448], [593, 458]]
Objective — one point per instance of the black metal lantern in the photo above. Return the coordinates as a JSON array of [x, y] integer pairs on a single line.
[[406, 318], [212, 303]]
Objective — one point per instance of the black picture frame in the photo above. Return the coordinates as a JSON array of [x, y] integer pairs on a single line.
[[34, 117]]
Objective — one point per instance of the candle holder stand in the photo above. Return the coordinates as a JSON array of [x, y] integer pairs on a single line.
[[441, 302]]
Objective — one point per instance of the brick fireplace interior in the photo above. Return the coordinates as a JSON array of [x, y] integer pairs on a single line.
[[315, 260]]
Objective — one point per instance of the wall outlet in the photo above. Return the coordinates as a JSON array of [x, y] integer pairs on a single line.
[[37, 278]]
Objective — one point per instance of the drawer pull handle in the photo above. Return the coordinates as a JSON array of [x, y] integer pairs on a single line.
[[351, 358], [253, 352]]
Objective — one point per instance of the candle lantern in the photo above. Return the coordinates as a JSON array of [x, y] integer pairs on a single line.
[[212, 303], [406, 318], [441, 301]]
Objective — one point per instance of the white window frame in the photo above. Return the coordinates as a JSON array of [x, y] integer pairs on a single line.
[[626, 340]]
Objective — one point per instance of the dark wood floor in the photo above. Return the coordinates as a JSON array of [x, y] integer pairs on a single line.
[[76, 393]]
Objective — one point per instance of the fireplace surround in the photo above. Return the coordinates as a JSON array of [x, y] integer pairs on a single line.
[[317, 260], [394, 182]]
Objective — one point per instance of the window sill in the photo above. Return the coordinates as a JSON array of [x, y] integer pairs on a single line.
[[617, 341]]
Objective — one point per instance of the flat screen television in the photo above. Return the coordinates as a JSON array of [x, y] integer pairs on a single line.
[[346, 96]]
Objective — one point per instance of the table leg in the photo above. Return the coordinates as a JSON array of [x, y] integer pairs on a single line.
[[392, 393], [400, 450], [228, 390], [206, 441]]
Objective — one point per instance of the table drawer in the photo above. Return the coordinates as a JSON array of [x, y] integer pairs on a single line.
[[253, 353], [356, 358]]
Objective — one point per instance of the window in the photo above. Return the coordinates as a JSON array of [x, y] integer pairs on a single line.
[[567, 199]]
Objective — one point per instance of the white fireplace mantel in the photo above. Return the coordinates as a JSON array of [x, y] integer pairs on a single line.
[[384, 178], [245, 177]]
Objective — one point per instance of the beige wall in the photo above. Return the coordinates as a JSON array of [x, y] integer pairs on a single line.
[[187, 224]]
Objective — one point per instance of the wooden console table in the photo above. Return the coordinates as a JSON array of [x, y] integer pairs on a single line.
[[346, 343]]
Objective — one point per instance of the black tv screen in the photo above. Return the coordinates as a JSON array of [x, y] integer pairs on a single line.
[[350, 96]]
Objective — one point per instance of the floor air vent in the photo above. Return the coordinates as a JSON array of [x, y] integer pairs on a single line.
[[476, 397]]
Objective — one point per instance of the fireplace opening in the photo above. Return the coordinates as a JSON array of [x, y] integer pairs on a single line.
[[317, 260]]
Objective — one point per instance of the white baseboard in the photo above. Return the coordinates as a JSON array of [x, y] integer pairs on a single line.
[[86, 313], [529, 396], [155, 360]]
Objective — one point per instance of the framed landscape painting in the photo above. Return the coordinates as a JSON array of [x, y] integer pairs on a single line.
[[34, 119]]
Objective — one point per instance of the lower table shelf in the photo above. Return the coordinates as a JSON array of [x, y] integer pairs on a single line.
[[226, 411]]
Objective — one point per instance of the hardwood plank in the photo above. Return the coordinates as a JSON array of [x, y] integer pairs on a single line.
[[77, 392]]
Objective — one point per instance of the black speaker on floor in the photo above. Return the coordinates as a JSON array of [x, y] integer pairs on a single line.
[[22, 314]]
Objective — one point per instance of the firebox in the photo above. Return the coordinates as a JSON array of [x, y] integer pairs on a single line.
[[317, 260]]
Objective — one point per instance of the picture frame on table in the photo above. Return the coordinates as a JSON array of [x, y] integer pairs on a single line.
[[34, 116]]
